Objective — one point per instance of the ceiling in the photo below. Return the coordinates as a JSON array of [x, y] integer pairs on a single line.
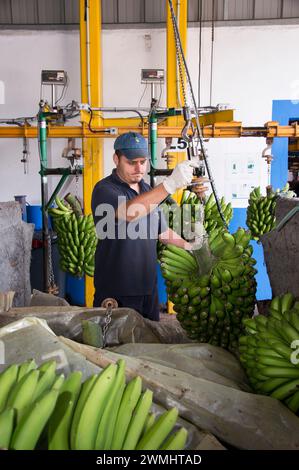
[[38, 13]]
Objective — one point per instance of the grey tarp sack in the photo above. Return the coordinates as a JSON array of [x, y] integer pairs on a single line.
[[281, 249], [210, 401], [32, 338], [15, 253], [127, 325]]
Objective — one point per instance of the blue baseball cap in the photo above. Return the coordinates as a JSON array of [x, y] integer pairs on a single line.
[[132, 145]]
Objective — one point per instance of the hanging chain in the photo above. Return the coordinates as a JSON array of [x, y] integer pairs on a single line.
[[76, 180], [109, 304], [183, 68], [52, 288]]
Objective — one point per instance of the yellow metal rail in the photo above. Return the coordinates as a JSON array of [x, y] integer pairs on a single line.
[[221, 130]]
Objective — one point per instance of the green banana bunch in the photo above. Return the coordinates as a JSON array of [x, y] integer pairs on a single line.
[[182, 216], [28, 396], [211, 307], [261, 212], [77, 240], [267, 351], [212, 217], [102, 413]]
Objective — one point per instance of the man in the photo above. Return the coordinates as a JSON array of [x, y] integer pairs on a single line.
[[126, 256]]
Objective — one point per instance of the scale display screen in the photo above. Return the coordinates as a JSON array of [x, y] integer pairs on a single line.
[[55, 77], [152, 76]]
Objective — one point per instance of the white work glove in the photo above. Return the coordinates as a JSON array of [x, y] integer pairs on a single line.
[[181, 176], [195, 245]]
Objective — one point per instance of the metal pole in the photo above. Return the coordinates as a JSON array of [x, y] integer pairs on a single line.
[[42, 128], [153, 146]]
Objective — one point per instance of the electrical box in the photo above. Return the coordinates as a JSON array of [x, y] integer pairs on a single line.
[[152, 76], [54, 77]]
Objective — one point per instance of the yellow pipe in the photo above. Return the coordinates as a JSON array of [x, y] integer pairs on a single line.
[[173, 77], [92, 147]]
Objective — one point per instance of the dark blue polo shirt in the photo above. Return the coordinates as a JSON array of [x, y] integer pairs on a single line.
[[126, 255]]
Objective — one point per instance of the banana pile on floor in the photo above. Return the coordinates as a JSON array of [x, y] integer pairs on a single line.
[[211, 306], [77, 240], [261, 210], [40, 410], [270, 351]]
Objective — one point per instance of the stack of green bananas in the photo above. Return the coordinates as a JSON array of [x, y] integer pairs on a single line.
[[212, 217], [103, 413], [211, 307], [28, 396], [77, 240], [261, 212], [269, 353]]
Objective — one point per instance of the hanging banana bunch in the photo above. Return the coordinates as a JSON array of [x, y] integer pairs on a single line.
[[182, 221], [261, 212], [211, 306], [77, 240], [212, 217], [268, 351]]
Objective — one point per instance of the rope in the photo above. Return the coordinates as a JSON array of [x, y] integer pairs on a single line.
[[181, 58]]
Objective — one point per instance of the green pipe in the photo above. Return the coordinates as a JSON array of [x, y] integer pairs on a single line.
[[43, 140], [153, 140], [58, 187]]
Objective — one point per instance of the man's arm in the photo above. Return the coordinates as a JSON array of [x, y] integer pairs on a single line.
[[172, 238], [142, 204], [145, 203]]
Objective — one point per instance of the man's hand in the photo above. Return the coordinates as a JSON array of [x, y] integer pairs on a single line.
[[198, 186], [181, 176]]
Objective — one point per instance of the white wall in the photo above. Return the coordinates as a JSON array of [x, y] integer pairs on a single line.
[[252, 66]]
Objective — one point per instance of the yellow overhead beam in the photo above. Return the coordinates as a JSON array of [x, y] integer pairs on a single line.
[[233, 129]]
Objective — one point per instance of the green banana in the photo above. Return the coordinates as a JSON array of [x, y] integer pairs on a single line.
[[156, 435], [293, 402], [61, 206], [58, 382], [107, 424], [23, 392], [149, 422], [270, 385], [7, 380], [60, 421], [138, 420], [32, 423], [26, 367], [176, 441], [285, 390], [6, 427], [85, 391], [86, 432], [46, 379], [282, 372], [128, 403]]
